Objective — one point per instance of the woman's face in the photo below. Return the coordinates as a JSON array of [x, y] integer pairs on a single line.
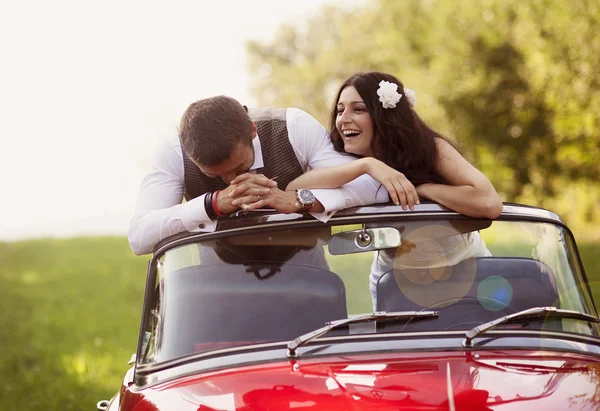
[[354, 123]]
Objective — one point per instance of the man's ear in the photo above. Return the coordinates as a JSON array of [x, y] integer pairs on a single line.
[[254, 132]]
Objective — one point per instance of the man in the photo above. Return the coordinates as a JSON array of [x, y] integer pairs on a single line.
[[226, 158]]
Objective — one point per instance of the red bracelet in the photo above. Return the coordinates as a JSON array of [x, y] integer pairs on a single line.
[[214, 204]]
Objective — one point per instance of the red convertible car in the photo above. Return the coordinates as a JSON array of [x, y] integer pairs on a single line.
[[378, 309]]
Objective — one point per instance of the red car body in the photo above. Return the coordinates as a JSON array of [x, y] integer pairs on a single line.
[[507, 368], [515, 380]]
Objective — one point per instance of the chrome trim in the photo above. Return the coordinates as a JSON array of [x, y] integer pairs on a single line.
[[450, 391], [102, 405], [132, 359], [208, 354]]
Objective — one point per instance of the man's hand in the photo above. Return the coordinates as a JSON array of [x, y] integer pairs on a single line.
[[258, 179], [248, 193], [224, 201], [282, 201], [249, 188]]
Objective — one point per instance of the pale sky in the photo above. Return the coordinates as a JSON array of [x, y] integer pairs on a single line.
[[88, 88]]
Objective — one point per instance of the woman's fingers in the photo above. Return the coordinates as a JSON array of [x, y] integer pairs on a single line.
[[392, 192], [412, 197], [415, 194], [397, 193], [402, 191], [412, 200], [402, 195]]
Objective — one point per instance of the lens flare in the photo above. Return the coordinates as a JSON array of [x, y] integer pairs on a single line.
[[495, 293]]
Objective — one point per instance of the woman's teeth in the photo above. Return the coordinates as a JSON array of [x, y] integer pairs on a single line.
[[351, 133]]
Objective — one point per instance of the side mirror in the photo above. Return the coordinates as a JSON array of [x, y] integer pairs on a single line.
[[366, 239]]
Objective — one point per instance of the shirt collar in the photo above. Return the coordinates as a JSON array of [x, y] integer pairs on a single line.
[[258, 158]]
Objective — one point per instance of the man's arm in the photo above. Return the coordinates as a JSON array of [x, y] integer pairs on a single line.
[[159, 212]]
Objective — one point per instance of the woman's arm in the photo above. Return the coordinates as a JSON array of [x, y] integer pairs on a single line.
[[470, 192], [330, 177], [400, 189]]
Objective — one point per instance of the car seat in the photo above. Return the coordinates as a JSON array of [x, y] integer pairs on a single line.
[[210, 306], [516, 284]]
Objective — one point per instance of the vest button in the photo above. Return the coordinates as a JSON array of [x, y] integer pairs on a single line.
[[202, 225]]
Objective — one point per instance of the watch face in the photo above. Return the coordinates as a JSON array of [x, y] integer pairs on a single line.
[[306, 196]]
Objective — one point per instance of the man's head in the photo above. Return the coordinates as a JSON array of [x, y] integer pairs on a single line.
[[216, 134]]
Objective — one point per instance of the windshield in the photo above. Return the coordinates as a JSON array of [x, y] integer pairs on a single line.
[[261, 287]]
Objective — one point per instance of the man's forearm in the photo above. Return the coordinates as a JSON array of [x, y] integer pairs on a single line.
[[148, 227]]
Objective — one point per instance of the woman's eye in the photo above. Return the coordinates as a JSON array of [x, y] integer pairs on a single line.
[[339, 111]]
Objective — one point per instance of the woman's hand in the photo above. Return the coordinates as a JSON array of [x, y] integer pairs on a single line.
[[401, 190]]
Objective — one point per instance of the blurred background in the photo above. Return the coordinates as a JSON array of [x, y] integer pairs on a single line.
[[87, 90]]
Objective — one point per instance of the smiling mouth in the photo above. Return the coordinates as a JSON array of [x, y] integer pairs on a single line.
[[350, 134]]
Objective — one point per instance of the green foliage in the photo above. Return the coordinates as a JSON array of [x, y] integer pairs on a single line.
[[515, 83]]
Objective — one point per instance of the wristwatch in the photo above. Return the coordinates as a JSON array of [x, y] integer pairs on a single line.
[[306, 199]]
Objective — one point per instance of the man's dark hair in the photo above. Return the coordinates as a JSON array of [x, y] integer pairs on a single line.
[[211, 128], [401, 139]]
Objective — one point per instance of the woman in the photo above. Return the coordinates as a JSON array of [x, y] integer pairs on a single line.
[[373, 119]]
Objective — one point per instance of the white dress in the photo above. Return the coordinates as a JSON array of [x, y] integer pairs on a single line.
[[425, 252]]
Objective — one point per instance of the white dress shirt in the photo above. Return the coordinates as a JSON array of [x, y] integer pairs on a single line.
[[160, 212]]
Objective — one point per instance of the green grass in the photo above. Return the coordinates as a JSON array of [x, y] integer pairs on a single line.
[[69, 321], [69, 318]]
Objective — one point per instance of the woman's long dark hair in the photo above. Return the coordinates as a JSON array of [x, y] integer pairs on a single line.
[[400, 138]]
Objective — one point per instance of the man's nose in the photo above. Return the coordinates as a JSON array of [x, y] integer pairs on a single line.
[[228, 178]]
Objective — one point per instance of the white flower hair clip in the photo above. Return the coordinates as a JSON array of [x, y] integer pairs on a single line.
[[410, 96], [388, 94]]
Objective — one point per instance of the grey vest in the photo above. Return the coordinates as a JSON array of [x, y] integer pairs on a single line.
[[278, 156]]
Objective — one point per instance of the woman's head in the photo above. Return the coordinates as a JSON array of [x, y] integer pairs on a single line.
[[361, 125]]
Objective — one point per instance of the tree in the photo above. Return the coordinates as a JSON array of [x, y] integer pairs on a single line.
[[515, 83]]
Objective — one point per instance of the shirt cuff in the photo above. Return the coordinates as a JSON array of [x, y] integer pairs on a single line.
[[331, 200], [194, 217]]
